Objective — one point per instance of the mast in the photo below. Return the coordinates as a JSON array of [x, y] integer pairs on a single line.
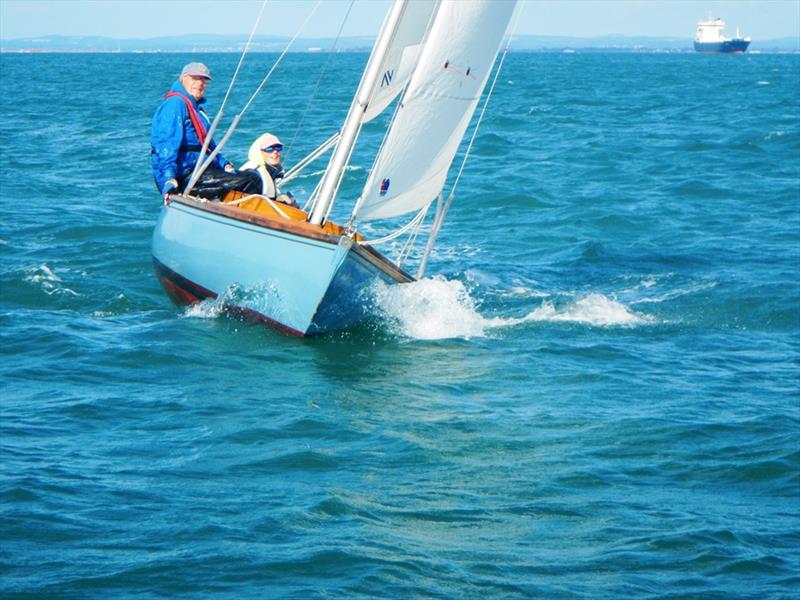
[[333, 174]]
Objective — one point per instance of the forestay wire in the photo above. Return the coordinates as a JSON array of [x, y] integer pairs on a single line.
[[237, 118], [440, 214]]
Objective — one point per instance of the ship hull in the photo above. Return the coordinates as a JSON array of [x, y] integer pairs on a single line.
[[285, 274], [726, 47]]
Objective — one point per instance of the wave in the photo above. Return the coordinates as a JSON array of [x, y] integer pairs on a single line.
[[677, 293], [48, 281], [430, 309], [593, 309], [438, 308], [321, 172]]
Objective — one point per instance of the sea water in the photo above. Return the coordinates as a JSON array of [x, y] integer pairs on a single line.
[[593, 393]]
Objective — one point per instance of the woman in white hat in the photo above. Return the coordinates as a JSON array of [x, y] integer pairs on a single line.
[[264, 156]]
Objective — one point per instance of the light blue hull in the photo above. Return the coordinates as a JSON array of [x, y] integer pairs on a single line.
[[300, 282]]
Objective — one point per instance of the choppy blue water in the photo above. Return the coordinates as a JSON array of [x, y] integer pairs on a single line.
[[594, 394]]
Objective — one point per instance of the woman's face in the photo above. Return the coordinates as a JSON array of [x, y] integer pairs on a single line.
[[272, 155]]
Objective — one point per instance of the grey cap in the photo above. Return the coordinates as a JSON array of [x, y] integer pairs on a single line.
[[197, 69]]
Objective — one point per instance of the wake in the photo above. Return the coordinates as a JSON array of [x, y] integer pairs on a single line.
[[438, 308]]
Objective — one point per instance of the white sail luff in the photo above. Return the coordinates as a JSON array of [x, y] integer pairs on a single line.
[[434, 113], [341, 155]]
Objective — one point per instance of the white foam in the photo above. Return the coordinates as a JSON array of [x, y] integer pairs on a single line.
[[50, 283], [438, 308], [262, 299], [431, 309], [43, 273], [593, 309], [207, 309]]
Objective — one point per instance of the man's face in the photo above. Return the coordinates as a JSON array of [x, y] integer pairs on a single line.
[[195, 86]]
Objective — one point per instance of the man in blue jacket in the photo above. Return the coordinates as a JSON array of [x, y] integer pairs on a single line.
[[180, 126]]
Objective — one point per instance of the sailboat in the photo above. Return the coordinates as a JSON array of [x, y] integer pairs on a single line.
[[295, 269]]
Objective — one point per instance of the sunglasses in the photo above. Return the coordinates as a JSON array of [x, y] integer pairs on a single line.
[[275, 148]]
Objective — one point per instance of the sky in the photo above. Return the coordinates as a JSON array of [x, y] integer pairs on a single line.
[[760, 19]]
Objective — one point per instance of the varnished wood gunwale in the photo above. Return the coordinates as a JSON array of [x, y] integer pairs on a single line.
[[298, 227]]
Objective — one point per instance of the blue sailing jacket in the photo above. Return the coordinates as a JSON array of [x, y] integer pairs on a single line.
[[175, 146]]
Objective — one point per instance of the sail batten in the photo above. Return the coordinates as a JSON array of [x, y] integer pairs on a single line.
[[435, 111]]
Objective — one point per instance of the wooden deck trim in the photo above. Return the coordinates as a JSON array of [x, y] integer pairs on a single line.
[[374, 257], [278, 223]]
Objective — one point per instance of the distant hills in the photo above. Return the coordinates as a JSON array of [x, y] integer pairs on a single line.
[[230, 43]]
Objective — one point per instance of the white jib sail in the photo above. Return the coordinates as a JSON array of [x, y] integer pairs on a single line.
[[436, 109], [401, 56]]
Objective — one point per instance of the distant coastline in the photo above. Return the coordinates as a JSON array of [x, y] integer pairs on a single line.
[[212, 43]]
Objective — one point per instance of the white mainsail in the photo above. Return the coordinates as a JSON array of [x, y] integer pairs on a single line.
[[436, 109], [401, 56]]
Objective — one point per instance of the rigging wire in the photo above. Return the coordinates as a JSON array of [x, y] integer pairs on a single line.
[[198, 172], [405, 251], [213, 128], [312, 156], [331, 52], [417, 218], [244, 52], [280, 58]]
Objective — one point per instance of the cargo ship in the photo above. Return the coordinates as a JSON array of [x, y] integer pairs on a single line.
[[709, 39]]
